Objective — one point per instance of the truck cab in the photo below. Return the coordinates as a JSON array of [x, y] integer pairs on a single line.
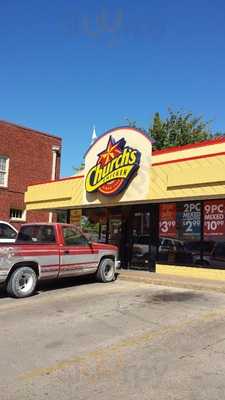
[[53, 251]]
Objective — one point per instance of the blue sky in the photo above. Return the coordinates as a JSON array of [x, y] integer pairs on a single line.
[[66, 65]]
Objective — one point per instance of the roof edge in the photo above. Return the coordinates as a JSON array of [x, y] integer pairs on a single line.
[[30, 129], [57, 180], [218, 140]]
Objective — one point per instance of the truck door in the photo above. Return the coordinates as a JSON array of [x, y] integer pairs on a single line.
[[40, 245], [77, 257]]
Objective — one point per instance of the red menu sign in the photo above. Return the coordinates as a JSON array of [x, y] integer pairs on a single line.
[[214, 221], [167, 220]]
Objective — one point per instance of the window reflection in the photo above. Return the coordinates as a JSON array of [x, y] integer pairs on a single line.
[[179, 227], [187, 238]]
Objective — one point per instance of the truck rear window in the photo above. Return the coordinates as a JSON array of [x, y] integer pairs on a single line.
[[36, 234]]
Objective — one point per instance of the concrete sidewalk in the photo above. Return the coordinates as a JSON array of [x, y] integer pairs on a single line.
[[172, 280]]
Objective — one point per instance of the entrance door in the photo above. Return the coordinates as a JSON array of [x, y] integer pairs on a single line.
[[140, 238], [129, 229], [118, 235], [115, 230]]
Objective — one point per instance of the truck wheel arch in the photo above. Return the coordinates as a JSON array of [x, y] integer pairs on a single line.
[[31, 264], [106, 256]]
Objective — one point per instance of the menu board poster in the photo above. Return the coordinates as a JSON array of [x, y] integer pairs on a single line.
[[167, 220], [214, 221], [191, 219]]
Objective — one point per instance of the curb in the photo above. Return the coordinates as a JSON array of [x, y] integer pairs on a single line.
[[172, 283]]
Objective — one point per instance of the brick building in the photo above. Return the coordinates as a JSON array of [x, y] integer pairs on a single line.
[[26, 157]]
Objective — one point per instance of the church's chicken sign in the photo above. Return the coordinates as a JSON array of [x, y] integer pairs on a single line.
[[115, 167]]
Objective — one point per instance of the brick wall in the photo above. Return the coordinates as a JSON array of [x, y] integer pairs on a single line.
[[30, 161]]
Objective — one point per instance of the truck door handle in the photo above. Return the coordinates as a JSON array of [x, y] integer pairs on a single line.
[[66, 252]]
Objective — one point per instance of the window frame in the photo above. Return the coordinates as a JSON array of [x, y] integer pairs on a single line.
[[5, 172], [22, 218]]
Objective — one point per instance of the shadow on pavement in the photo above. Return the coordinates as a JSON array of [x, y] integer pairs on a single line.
[[46, 286], [56, 284], [63, 283]]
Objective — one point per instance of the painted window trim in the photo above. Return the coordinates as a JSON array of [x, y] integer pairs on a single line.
[[22, 219], [6, 172]]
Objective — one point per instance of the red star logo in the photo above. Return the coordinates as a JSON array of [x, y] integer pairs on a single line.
[[113, 150]]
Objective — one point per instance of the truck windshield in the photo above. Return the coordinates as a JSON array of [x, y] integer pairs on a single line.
[[36, 234]]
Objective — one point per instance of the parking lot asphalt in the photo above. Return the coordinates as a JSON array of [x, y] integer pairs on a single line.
[[127, 339]]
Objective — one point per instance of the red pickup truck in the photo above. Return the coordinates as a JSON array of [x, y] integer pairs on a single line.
[[48, 251]]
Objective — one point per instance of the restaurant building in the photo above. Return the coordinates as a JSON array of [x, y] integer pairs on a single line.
[[166, 206]]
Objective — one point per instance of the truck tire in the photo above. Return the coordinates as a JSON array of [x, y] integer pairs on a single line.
[[22, 282], [106, 270]]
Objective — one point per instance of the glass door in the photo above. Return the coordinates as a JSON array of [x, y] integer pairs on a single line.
[[140, 231], [115, 230], [117, 233]]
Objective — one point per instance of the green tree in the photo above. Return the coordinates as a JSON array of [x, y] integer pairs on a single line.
[[177, 129], [158, 132]]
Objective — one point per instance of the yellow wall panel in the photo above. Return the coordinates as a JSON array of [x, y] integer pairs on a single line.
[[206, 177], [199, 273], [188, 153], [64, 193]]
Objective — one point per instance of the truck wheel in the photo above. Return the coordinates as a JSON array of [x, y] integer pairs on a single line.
[[22, 282], [106, 270]]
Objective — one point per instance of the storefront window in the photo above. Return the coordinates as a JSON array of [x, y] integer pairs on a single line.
[[184, 238], [62, 216], [179, 232], [188, 233], [93, 224], [214, 233]]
